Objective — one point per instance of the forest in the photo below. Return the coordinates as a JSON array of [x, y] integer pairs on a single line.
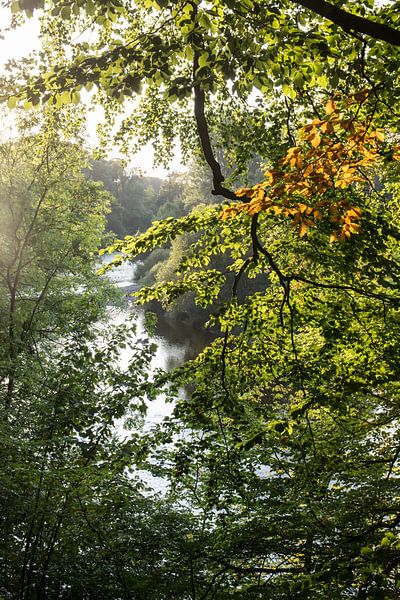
[[273, 472]]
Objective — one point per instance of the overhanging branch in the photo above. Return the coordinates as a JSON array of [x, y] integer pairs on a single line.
[[350, 22], [202, 129]]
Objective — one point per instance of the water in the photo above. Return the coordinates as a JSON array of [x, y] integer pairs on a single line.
[[168, 354], [174, 347], [175, 344]]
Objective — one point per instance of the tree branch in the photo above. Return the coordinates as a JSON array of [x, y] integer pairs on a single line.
[[204, 135], [349, 22], [268, 570]]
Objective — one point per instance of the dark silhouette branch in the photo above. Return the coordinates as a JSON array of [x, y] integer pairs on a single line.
[[204, 135], [285, 280], [236, 281], [268, 570], [352, 23]]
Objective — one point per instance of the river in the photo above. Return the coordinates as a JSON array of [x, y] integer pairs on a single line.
[[174, 346]]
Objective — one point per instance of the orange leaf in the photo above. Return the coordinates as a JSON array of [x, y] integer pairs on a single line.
[[308, 170], [244, 192], [229, 211], [302, 207], [303, 229], [316, 140], [330, 107], [354, 213]]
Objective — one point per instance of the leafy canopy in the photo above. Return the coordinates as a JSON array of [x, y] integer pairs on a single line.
[[288, 444]]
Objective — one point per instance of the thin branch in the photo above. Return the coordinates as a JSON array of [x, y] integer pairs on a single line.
[[212, 582], [393, 462], [256, 570], [238, 276], [290, 135], [346, 288]]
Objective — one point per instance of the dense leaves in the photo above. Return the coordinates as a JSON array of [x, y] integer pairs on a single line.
[[336, 153], [282, 452]]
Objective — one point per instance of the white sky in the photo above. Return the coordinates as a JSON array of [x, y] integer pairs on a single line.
[[25, 40]]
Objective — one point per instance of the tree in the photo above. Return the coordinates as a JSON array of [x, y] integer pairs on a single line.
[[294, 408], [136, 197], [48, 239], [181, 48], [68, 505]]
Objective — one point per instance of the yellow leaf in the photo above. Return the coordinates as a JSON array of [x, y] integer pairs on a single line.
[[354, 227], [12, 102], [303, 229], [316, 140], [340, 184], [330, 107], [327, 127], [260, 194], [244, 192]]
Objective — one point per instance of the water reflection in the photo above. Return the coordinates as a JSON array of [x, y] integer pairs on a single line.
[[191, 341], [175, 344]]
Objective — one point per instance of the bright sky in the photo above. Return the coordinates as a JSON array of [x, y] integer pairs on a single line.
[[21, 42]]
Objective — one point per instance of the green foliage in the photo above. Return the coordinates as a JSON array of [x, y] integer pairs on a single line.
[[48, 243], [136, 199], [282, 455], [282, 52], [294, 409], [67, 512]]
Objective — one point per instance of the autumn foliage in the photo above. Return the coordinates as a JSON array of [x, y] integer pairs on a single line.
[[311, 182]]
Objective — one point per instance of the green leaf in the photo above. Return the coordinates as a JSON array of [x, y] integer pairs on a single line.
[[385, 541], [12, 102], [203, 59], [189, 52], [15, 7], [75, 98], [204, 21], [90, 7], [65, 13]]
